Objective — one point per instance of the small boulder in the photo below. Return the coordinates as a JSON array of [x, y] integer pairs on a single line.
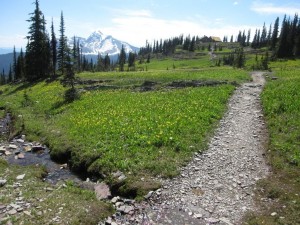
[[12, 146], [20, 177], [102, 191], [21, 156], [2, 182]]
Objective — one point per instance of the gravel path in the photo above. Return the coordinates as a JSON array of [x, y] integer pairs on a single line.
[[216, 187]]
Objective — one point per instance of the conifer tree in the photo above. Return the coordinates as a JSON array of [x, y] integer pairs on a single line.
[[274, 37], [122, 59], [106, 63], [20, 70], [15, 64], [53, 49], [283, 46], [269, 36], [63, 49], [239, 60], [263, 37], [248, 37], [2, 79], [10, 75], [37, 49]]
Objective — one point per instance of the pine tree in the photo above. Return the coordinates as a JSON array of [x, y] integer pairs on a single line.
[[74, 52], [37, 61], [263, 37], [283, 46], [46, 50], [192, 46], [2, 79], [274, 37], [10, 75], [254, 42], [53, 49], [79, 56], [297, 41], [269, 36], [239, 60], [20, 70], [248, 37], [106, 63], [15, 64], [122, 59], [63, 49]]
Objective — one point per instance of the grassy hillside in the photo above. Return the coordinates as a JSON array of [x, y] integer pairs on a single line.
[[279, 194], [115, 126]]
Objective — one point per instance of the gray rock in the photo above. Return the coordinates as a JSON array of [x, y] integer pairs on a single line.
[[20, 177], [2, 182], [212, 220], [12, 146], [102, 191], [147, 196], [115, 199], [12, 212]]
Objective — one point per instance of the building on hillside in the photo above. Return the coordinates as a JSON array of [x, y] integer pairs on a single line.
[[215, 39], [210, 39]]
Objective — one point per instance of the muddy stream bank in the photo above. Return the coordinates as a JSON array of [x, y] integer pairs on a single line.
[[18, 151]]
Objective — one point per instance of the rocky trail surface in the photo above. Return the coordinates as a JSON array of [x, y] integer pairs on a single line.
[[217, 186]]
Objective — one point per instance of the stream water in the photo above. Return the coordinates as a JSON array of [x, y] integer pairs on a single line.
[[17, 152]]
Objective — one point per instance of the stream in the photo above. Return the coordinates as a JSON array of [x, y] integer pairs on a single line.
[[21, 152]]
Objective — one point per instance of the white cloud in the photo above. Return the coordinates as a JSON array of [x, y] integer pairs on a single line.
[[235, 3], [269, 8], [138, 13], [137, 29], [18, 41]]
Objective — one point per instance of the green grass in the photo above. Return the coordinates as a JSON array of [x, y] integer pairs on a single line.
[[131, 79], [138, 132], [72, 204], [282, 112], [282, 109], [2, 114]]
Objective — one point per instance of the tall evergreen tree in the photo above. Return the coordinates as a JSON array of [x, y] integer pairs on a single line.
[[10, 75], [297, 40], [63, 49], [239, 60], [20, 71], [274, 37], [15, 64], [248, 37], [75, 55], [106, 63], [2, 79], [283, 46], [263, 37], [53, 49], [269, 36], [122, 59], [37, 55], [131, 59]]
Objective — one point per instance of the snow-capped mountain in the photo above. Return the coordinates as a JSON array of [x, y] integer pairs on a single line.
[[99, 43]]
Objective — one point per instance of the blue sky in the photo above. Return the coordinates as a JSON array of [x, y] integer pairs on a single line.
[[136, 21]]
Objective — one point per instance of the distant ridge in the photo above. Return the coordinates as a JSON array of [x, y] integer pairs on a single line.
[[99, 43]]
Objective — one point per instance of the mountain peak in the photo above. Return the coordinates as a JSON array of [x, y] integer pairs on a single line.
[[99, 43]]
